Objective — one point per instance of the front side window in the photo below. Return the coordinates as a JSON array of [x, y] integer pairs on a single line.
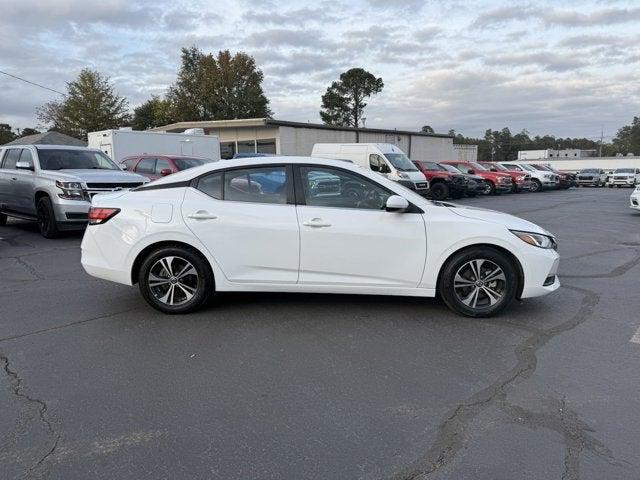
[[329, 187], [257, 185], [26, 157], [146, 165], [11, 158], [162, 164], [128, 164]]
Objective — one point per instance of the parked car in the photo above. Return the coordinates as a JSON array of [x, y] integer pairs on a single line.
[[520, 181], [539, 180], [185, 236], [156, 166], [476, 185], [564, 179], [595, 177], [624, 177], [442, 183], [54, 184], [634, 200], [498, 182], [383, 158]]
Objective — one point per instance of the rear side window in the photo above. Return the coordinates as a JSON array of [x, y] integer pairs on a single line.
[[211, 185], [11, 158], [129, 164], [162, 164], [146, 165], [257, 185]]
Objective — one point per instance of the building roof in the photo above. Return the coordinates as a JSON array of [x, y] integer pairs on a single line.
[[266, 122], [48, 138]]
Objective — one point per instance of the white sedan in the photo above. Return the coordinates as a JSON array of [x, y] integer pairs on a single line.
[[300, 224]]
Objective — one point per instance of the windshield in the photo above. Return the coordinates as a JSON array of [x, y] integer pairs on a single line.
[[528, 167], [432, 166], [496, 166], [450, 168], [625, 170], [186, 163], [60, 159], [477, 166], [401, 162], [590, 170]]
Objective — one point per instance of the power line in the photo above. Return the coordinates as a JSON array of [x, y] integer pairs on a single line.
[[32, 83]]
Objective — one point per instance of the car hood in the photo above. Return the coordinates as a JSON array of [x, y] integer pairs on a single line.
[[509, 221], [97, 176]]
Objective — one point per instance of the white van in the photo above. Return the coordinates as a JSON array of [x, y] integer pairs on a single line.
[[384, 158]]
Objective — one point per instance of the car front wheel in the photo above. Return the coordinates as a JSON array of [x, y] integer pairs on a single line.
[[47, 224], [478, 282], [176, 280], [439, 191], [536, 185]]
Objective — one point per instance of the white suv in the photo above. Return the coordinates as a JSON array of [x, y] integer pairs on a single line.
[[624, 177], [540, 179]]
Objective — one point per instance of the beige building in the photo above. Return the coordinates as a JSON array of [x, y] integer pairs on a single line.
[[266, 135]]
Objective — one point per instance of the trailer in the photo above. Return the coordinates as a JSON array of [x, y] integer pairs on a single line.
[[119, 144]]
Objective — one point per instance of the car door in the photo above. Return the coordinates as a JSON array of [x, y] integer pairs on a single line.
[[348, 238], [246, 218], [9, 179], [24, 185]]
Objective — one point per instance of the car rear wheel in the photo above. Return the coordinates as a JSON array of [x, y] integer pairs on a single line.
[[439, 191], [47, 224], [478, 282], [176, 280]]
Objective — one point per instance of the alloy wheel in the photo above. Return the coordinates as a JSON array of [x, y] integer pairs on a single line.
[[479, 283], [173, 280]]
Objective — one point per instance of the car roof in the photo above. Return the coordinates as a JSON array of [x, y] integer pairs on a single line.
[[257, 162], [165, 156]]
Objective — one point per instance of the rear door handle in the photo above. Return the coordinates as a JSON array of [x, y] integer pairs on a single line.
[[202, 215], [316, 222]]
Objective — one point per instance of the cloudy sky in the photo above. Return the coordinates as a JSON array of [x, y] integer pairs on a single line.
[[567, 68]]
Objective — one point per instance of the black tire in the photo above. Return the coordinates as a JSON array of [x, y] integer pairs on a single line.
[[536, 185], [3, 219], [47, 224], [439, 191], [487, 305], [492, 189], [200, 283]]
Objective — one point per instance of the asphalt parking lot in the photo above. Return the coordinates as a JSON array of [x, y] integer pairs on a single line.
[[98, 385]]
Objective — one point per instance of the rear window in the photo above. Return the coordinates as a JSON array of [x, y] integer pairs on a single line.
[[11, 158]]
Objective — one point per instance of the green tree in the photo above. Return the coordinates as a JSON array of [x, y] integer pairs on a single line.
[[427, 129], [217, 88], [28, 131], [90, 104], [6, 134], [344, 101], [627, 140], [155, 112]]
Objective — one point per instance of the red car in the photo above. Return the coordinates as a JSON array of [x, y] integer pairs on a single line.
[[519, 180], [499, 182], [156, 166], [442, 183]]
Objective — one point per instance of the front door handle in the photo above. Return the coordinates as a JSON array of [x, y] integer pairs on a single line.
[[316, 222], [202, 215], [14, 178]]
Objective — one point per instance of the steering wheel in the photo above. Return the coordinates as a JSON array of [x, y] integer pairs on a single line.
[[372, 199]]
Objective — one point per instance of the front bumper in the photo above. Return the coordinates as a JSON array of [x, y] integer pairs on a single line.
[[420, 188], [586, 182], [71, 212], [522, 185], [626, 182], [634, 201], [541, 275]]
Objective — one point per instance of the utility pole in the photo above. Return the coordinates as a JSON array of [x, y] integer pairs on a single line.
[[601, 139]]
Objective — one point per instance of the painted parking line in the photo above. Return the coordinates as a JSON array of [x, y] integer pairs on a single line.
[[636, 337]]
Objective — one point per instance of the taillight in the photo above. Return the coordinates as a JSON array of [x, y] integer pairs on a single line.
[[99, 215]]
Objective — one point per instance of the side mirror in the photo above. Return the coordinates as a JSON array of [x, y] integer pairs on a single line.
[[471, 171], [375, 167], [24, 166], [384, 168], [165, 171], [396, 203], [123, 167]]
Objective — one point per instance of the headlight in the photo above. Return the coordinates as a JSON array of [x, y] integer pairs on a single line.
[[546, 175], [521, 178], [535, 239], [402, 175], [70, 190]]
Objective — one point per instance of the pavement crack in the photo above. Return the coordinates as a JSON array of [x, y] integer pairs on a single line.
[[65, 325], [18, 390], [453, 432], [616, 272], [29, 268]]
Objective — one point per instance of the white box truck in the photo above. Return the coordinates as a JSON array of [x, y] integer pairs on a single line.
[[119, 144], [384, 158]]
